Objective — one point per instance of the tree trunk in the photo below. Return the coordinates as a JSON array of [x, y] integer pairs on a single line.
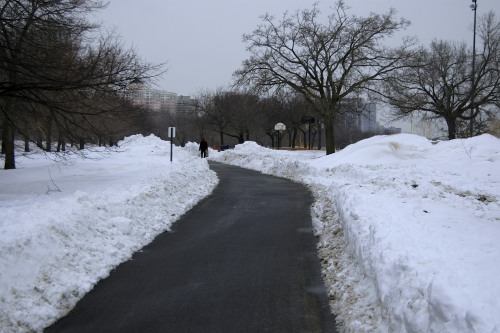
[[10, 160], [8, 140], [319, 136], [294, 138], [221, 137], [3, 142], [82, 144], [329, 136], [39, 142], [26, 144], [304, 135], [48, 139], [272, 138], [452, 127], [61, 144]]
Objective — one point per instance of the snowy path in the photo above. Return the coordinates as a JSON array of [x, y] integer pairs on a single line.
[[243, 260]]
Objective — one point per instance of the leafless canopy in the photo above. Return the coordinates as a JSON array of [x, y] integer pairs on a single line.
[[57, 68], [437, 80], [324, 62]]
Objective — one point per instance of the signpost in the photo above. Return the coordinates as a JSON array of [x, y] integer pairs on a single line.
[[171, 135]]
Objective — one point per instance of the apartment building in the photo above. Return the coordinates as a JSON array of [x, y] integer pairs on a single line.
[[361, 115], [159, 100]]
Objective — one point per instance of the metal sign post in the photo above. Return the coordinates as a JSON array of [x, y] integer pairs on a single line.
[[171, 134]]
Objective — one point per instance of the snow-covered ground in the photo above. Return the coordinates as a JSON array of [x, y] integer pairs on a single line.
[[54, 246], [408, 231]]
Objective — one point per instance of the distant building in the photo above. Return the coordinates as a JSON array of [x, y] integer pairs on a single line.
[[361, 115], [368, 118], [392, 130], [186, 106], [159, 100]]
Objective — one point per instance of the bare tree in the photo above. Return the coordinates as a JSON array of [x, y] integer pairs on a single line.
[[230, 113], [51, 61], [272, 110], [243, 108], [215, 112], [437, 81], [298, 117], [188, 126], [325, 63]]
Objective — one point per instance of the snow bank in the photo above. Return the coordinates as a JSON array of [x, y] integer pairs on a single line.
[[56, 245], [408, 230]]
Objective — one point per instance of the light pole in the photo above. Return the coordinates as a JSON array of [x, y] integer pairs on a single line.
[[471, 124]]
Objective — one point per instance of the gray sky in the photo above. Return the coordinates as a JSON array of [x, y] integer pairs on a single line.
[[201, 39]]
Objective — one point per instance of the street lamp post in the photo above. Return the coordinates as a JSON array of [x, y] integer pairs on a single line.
[[471, 124]]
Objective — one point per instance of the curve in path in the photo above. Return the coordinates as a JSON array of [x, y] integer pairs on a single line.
[[243, 260]]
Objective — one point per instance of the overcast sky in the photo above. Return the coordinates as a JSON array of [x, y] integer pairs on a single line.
[[201, 39]]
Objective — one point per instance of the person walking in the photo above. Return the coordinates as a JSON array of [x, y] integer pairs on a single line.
[[203, 148]]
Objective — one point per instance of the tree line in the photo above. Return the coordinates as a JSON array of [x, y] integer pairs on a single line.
[[308, 66], [329, 60], [230, 116], [61, 78]]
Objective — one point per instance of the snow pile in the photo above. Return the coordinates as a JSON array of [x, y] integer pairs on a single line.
[[64, 227], [408, 230]]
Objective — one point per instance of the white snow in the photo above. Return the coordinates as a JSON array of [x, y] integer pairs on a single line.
[[54, 246], [408, 231]]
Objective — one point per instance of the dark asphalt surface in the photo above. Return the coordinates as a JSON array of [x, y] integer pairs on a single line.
[[243, 260]]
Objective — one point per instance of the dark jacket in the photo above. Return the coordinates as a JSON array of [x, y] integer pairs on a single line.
[[203, 145]]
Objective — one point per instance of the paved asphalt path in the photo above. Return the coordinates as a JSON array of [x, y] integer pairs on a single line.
[[243, 260]]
